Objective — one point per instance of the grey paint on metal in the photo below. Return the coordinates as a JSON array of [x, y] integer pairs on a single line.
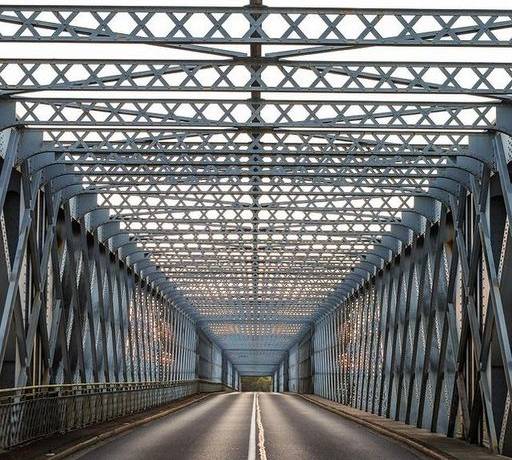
[[357, 249]]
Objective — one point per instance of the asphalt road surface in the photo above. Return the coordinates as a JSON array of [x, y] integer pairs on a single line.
[[249, 426]]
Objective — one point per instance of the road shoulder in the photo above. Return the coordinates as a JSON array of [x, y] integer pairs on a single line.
[[431, 445]]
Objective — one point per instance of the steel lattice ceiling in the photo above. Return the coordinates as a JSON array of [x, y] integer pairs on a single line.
[[264, 182]]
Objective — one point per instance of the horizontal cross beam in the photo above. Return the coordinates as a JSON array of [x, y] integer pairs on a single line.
[[264, 74], [246, 25], [269, 114]]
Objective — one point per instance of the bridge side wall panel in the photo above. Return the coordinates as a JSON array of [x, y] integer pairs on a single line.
[[305, 364], [296, 372], [212, 365], [293, 369], [281, 377], [385, 349], [77, 311], [418, 341]]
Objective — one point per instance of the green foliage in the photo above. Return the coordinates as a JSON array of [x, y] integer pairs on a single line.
[[257, 383]]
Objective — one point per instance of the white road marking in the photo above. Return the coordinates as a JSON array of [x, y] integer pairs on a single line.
[[261, 431], [252, 434]]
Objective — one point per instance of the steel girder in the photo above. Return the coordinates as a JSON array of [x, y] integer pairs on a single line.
[[298, 26], [266, 114], [399, 343], [87, 309], [273, 219], [272, 75], [125, 140]]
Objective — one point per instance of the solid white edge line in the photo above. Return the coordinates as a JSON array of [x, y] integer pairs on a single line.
[[252, 434]]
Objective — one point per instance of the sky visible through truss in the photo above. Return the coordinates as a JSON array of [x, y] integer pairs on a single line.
[[258, 241]]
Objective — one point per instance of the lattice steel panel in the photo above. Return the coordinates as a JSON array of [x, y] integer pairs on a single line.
[[260, 189]]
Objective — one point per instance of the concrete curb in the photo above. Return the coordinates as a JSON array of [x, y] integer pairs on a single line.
[[114, 432], [412, 443]]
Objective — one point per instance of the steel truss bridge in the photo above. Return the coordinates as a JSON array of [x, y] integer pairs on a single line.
[[259, 205]]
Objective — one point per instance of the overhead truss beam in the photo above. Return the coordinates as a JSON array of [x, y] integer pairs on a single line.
[[297, 26]]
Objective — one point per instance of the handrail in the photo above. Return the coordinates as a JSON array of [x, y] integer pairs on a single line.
[[6, 392], [28, 413]]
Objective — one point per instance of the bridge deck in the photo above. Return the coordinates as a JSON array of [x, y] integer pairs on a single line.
[[220, 428], [241, 425]]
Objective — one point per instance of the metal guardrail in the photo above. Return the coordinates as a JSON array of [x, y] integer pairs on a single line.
[[29, 413]]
